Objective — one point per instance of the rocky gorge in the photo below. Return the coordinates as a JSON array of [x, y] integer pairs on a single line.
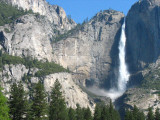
[[89, 51]]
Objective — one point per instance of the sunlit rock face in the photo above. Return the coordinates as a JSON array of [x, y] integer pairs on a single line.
[[54, 13], [73, 93], [29, 36], [92, 50]]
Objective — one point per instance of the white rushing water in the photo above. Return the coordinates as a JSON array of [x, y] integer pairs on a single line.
[[124, 75], [123, 71]]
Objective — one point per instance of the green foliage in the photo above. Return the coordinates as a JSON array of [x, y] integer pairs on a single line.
[[57, 108], [87, 114], [46, 68], [79, 113], [97, 113], [103, 112], [134, 114], [6, 30], [150, 115], [151, 81], [71, 114], [68, 33], [18, 102], [39, 106], [8, 13], [4, 109], [157, 114]]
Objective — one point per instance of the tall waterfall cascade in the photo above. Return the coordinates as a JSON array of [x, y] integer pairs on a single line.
[[123, 71], [123, 76]]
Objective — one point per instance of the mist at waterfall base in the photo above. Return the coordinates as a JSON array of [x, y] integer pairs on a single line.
[[123, 75]]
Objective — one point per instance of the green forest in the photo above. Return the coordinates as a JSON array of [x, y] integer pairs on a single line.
[[38, 107]]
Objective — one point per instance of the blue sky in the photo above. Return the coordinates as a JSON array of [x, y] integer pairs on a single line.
[[81, 9]]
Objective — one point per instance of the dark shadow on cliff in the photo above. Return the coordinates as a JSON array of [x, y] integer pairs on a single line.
[[111, 80], [143, 36], [2, 40], [121, 106]]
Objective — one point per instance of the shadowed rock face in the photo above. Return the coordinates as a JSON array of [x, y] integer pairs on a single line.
[[143, 34], [93, 49]]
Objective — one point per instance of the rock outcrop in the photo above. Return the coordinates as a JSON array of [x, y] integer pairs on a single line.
[[143, 53], [73, 93], [92, 48], [142, 98], [28, 36], [53, 13], [143, 34]]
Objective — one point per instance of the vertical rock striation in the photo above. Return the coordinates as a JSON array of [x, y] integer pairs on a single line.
[[143, 34], [92, 49]]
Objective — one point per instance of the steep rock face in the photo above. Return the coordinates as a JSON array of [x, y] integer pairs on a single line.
[[28, 36], [15, 73], [92, 49], [54, 13], [143, 51], [142, 98], [73, 94], [143, 34]]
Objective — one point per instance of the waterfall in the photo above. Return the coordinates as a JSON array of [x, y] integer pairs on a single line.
[[123, 75], [123, 71]]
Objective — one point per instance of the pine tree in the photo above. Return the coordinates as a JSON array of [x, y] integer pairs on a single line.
[[113, 113], [57, 108], [97, 113], [105, 115], [157, 114], [79, 113], [150, 115], [87, 114], [39, 106], [4, 109], [71, 114], [18, 102], [134, 114], [128, 115]]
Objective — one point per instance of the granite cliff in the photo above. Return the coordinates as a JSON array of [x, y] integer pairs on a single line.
[[143, 51], [89, 51], [92, 48], [54, 14]]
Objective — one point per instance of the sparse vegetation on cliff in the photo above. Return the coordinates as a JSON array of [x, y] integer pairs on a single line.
[[8, 13], [152, 79], [45, 68], [68, 33]]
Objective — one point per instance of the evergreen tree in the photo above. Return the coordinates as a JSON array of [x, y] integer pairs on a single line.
[[134, 114], [4, 109], [71, 114], [105, 115], [18, 102], [150, 115], [79, 113], [57, 108], [39, 106], [157, 114], [114, 115], [97, 113], [87, 114], [128, 115]]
